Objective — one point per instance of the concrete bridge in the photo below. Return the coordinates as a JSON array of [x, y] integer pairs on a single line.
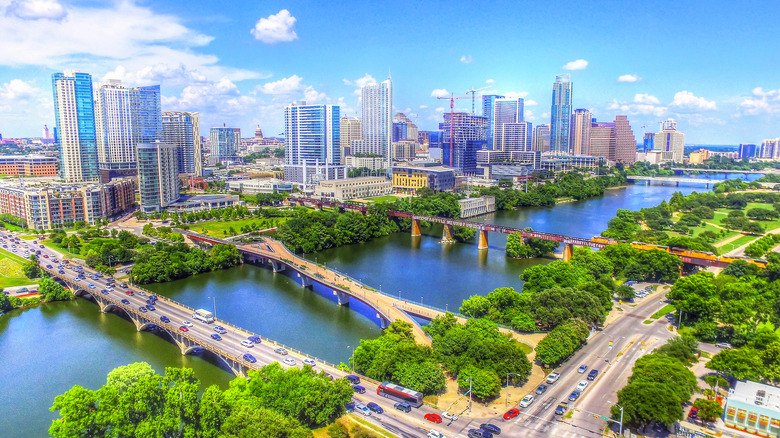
[[745, 172], [677, 180]]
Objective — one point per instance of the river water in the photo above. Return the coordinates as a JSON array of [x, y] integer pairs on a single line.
[[46, 350]]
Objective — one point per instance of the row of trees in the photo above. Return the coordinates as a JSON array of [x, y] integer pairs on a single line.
[[163, 262], [518, 247], [562, 342], [166, 233], [761, 246], [136, 401]]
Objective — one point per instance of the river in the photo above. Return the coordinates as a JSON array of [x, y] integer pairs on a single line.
[[48, 349]]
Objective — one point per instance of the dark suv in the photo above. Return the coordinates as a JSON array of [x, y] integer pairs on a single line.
[[403, 407], [593, 374]]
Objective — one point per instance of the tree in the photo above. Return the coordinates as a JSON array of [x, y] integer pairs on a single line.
[[742, 363], [485, 384], [625, 292], [682, 348], [426, 377], [31, 270], [49, 290], [338, 430], [561, 342], [708, 410], [644, 402]]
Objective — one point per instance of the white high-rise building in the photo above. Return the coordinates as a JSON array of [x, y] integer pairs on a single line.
[[74, 112], [515, 137], [377, 107], [182, 129], [504, 111], [541, 139], [670, 141], [158, 175], [350, 130]]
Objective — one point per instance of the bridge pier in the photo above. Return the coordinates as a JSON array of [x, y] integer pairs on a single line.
[[305, 281], [568, 248], [383, 323], [483, 239], [341, 298], [416, 227], [277, 266], [447, 231]]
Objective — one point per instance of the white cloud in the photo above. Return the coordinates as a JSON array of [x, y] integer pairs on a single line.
[[629, 78], [531, 102], [275, 28], [282, 86], [440, 92], [687, 101], [490, 81], [17, 89], [423, 106], [467, 59], [579, 64], [439, 109], [346, 81], [646, 99], [762, 102], [529, 115], [515, 94], [365, 80], [36, 10]]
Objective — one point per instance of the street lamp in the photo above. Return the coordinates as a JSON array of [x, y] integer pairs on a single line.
[[215, 305], [507, 387], [621, 418]]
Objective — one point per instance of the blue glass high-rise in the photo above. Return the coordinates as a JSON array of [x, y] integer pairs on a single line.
[[74, 114], [560, 114], [488, 111]]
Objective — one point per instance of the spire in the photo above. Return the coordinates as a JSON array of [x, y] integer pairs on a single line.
[[389, 76]]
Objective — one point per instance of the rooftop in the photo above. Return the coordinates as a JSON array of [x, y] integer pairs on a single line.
[[756, 394]]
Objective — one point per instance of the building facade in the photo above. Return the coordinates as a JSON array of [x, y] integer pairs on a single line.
[[581, 122], [541, 138], [625, 142], [560, 114], [223, 144], [74, 113], [753, 407], [407, 179], [770, 149], [312, 142], [377, 122], [504, 111], [602, 139], [28, 165], [158, 175], [260, 185], [747, 150], [124, 117], [488, 111], [354, 188], [515, 137], [670, 141], [476, 206], [698, 157], [350, 128], [469, 134], [182, 129]]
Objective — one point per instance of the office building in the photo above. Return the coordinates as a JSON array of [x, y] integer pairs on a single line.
[[648, 142], [488, 111], [747, 150], [124, 117], [770, 149], [698, 157], [74, 112], [581, 122], [410, 177], [404, 128], [541, 138], [504, 111], [354, 188], [158, 175], [469, 134], [377, 122], [625, 142], [182, 129], [28, 165], [404, 150], [602, 139], [753, 407], [560, 114], [312, 143], [670, 141], [350, 128], [515, 137], [224, 145]]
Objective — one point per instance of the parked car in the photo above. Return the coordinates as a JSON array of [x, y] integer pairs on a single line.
[[540, 389], [582, 385], [526, 401], [434, 434]]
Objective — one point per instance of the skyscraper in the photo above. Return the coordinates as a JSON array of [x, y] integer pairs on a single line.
[[670, 141], [625, 142], [158, 175], [504, 111], [747, 150], [560, 114], [224, 144], [404, 128], [377, 108], [469, 136], [541, 138], [488, 108], [182, 129], [124, 117], [602, 140], [350, 130], [648, 142], [74, 113], [581, 122], [515, 137], [312, 138]]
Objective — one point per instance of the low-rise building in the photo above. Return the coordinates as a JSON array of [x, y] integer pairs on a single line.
[[354, 188], [45, 207], [189, 204], [698, 157], [370, 163], [753, 407], [260, 185], [408, 178], [476, 206], [28, 165]]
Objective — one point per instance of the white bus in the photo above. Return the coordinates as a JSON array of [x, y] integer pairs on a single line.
[[203, 315]]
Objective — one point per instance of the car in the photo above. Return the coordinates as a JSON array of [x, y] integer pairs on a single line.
[[582, 385], [582, 369], [310, 362], [216, 337], [479, 433], [723, 345], [187, 323], [150, 307], [353, 379], [76, 279], [40, 246], [540, 389], [247, 343], [249, 358], [561, 408], [512, 413], [552, 378], [290, 361], [375, 408], [526, 401], [125, 301], [91, 286], [451, 417], [281, 351], [362, 409], [48, 266], [46, 256], [184, 328], [66, 261], [142, 309], [350, 406], [219, 329], [593, 374], [141, 293], [403, 407], [104, 292], [129, 293], [492, 428], [434, 434], [694, 412], [436, 418], [357, 388], [255, 339], [122, 284], [574, 395], [165, 319], [61, 272]]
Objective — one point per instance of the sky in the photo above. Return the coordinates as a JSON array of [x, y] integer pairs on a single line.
[[711, 65]]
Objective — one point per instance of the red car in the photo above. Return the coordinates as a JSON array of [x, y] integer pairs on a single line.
[[512, 413], [184, 328], [433, 417], [129, 292]]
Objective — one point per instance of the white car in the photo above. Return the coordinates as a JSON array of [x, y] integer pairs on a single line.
[[247, 343], [359, 408], [449, 416], [310, 362], [435, 434], [582, 385], [526, 401], [290, 361], [552, 378], [187, 323]]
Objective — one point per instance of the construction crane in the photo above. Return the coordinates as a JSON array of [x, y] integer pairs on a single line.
[[452, 119], [473, 96]]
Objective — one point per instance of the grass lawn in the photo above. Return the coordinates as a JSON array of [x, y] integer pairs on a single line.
[[378, 199], [350, 420], [11, 227], [219, 228], [737, 243], [527, 349], [664, 310], [11, 270]]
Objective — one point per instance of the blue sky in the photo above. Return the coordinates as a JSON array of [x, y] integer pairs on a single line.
[[712, 65]]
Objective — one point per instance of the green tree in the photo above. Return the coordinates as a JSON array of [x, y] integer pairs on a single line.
[[644, 402], [561, 342], [338, 430], [50, 290], [708, 410], [742, 363], [31, 270], [426, 377], [485, 384], [625, 292]]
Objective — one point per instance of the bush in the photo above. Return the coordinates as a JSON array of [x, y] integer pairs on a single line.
[[562, 342]]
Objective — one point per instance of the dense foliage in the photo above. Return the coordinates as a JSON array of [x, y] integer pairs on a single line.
[[561, 342], [163, 262], [760, 247], [518, 247]]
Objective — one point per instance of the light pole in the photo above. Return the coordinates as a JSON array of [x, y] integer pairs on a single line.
[[352, 361], [621, 419], [214, 298], [507, 387]]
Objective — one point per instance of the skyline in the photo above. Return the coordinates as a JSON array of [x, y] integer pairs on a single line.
[[241, 64]]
